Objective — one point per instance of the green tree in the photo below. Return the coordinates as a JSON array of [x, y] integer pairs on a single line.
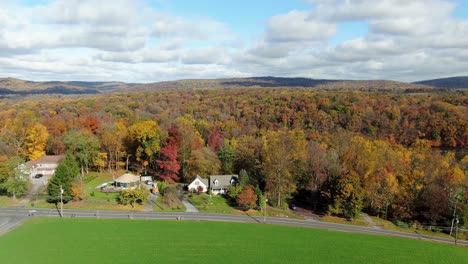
[[346, 195], [84, 146], [202, 162], [227, 156], [162, 185], [65, 173], [281, 150], [234, 191], [261, 202], [243, 178], [139, 195], [13, 179]]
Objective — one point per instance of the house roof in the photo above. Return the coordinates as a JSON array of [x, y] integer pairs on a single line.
[[127, 178], [204, 181], [52, 159], [224, 181]]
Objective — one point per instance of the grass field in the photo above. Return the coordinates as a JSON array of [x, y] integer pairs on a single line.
[[219, 205], [46, 240]]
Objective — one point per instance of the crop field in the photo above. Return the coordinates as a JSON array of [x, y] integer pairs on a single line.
[[47, 240]]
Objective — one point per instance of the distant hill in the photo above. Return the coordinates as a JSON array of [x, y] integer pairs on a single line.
[[278, 82], [16, 87], [12, 86], [452, 82]]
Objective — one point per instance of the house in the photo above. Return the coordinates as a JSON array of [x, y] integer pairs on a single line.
[[219, 184], [44, 167], [197, 183]]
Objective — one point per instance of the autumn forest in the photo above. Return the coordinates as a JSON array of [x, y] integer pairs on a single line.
[[399, 156]]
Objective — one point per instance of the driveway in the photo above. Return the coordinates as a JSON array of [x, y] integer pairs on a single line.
[[189, 207], [150, 202]]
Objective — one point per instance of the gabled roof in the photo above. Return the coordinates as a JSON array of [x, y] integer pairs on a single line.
[[52, 159], [204, 181], [224, 181]]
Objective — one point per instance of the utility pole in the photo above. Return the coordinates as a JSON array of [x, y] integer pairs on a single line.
[[454, 213], [61, 201], [264, 209], [456, 230]]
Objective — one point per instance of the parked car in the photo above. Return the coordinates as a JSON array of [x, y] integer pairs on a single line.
[[149, 182], [293, 207], [39, 175]]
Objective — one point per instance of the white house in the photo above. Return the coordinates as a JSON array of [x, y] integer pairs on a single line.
[[198, 182], [44, 167], [219, 184]]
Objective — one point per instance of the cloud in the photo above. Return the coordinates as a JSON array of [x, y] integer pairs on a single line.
[[91, 12], [134, 41], [298, 26], [198, 28], [213, 55], [405, 40]]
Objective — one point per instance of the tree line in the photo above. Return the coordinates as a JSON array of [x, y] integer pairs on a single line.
[[337, 152]]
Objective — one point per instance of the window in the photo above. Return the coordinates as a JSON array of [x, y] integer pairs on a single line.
[[197, 183], [216, 182]]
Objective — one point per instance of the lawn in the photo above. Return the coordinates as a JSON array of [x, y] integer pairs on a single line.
[[93, 199], [160, 206], [132, 241], [214, 204], [219, 205], [359, 221], [391, 226], [7, 201]]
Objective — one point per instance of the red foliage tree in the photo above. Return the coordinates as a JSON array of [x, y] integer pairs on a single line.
[[168, 165], [247, 198], [215, 140], [91, 124]]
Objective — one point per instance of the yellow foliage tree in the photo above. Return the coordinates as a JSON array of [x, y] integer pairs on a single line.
[[36, 140]]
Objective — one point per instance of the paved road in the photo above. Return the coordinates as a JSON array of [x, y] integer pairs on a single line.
[[11, 219], [16, 215]]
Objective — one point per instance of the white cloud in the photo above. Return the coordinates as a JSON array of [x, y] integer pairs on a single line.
[[214, 55], [133, 41], [90, 12], [198, 28], [298, 26]]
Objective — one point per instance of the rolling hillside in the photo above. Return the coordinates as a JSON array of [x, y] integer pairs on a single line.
[[11, 86], [453, 82], [17, 87]]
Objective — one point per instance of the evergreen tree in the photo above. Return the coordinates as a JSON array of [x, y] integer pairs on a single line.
[[243, 178], [65, 173], [227, 156]]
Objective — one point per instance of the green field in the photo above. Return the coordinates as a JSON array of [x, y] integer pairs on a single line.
[[46, 240]]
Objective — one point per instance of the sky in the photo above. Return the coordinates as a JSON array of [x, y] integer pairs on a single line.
[[160, 40]]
